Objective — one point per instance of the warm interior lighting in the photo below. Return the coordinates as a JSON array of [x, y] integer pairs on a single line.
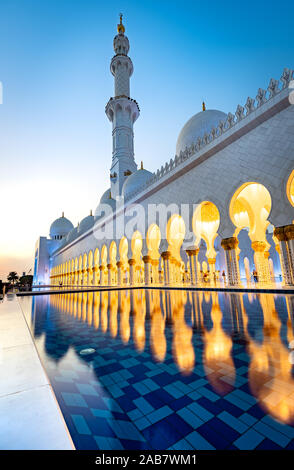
[[290, 188], [205, 222]]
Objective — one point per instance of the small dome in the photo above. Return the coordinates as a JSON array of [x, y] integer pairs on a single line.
[[135, 181], [72, 235], [106, 199], [105, 196], [199, 125], [86, 223], [60, 228]]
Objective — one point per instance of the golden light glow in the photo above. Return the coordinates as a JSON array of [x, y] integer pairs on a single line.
[[175, 234], [250, 207], [290, 188], [153, 239], [217, 351], [205, 223]]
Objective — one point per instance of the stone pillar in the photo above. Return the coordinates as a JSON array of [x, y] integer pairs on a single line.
[[193, 254], [286, 254], [261, 262], [119, 264], [233, 274], [90, 276], [85, 277], [166, 270], [95, 276], [211, 262], [101, 269], [147, 261], [132, 263], [155, 267], [109, 267], [289, 232], [171, 263], [179, 278]]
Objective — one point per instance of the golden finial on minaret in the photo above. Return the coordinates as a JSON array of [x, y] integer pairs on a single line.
[[203, 106], [120, 26], [142, 168], [62, 214], [91, 212]]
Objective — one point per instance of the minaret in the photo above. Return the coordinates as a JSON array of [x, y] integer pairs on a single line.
[[122, 111]]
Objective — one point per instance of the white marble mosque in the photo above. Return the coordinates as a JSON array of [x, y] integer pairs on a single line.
[[216, 213]]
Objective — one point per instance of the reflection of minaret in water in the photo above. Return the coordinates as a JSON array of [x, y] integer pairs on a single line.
[[122, 111]]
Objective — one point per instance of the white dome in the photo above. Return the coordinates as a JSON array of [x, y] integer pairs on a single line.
[[105, 196], [135, 181], [106, 199], [86, 223], [72, 235], [60, 228], [199, 124]]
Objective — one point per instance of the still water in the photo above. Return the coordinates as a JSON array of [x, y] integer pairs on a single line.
[[169, 369]]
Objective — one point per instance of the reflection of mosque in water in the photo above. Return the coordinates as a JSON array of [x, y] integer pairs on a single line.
[[218, 327]]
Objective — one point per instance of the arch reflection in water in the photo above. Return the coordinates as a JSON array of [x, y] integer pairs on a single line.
[[217, 350]]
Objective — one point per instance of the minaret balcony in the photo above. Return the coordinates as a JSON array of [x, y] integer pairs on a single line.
[[122, 103], [121, 60]]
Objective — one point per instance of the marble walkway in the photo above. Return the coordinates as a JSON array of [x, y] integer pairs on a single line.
[[30, 417]]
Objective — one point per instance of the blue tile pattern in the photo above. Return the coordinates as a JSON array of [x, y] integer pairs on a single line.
[[158, 391]]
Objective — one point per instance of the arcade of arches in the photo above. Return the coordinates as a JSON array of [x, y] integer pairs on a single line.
[[123, 262]]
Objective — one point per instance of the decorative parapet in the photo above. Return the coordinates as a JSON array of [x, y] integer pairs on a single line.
[[251, 105]]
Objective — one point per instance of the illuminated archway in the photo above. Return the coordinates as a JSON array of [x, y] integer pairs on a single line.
[[250, 207], [103, 267], [76, 278], [138, 266], [290, 188], [96, 267], [123, 255], [90, 268], [205, 223], [153, 239], [112, 264], [72, 273], [85, 267], [80, 270], [175, 234]]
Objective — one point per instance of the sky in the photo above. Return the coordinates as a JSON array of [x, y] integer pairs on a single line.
[[55, 139]]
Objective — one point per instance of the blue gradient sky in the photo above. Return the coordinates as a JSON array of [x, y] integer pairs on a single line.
[[55, 139]]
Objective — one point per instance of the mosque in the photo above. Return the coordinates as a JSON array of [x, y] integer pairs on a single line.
[[220, 212]]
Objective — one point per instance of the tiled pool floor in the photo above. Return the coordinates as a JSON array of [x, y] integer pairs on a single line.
[[171, 370]]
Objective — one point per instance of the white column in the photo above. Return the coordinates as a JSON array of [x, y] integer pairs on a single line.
[[119, 280], [233, 274], [132, 263], [286, 253], [101, 267], [109, 267], [261, 262], [147, 261], [166, 258]]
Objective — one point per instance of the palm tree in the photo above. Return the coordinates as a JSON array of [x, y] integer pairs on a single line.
[[12, 277]]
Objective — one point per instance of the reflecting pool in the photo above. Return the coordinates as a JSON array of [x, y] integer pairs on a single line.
[[151, 369]]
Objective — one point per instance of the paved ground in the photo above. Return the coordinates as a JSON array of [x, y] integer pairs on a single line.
[[30, 417]]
